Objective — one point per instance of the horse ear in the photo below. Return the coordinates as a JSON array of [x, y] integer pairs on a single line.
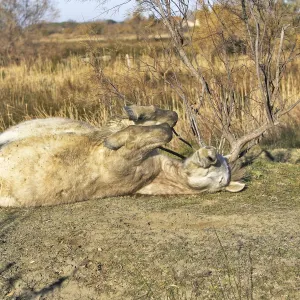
[[235, 186]]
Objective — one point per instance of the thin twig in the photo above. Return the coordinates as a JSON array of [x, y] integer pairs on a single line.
[[172, 152]]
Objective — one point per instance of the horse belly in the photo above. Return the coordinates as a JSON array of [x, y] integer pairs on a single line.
[[42, 172]]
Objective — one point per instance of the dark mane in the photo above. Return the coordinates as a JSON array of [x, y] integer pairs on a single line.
[[237, 170]]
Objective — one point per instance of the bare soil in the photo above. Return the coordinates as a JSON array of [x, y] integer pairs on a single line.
[[209, 246]]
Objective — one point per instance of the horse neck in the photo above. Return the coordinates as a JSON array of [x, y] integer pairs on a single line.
[[172, 169], [170, 180]]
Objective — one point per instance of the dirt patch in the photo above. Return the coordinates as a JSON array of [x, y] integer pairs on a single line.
[[213, 246]]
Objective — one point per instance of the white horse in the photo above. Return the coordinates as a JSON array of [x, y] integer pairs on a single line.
[[53, 161]]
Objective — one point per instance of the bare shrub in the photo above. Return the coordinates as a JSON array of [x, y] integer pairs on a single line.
[[16, 19], [235, 60]]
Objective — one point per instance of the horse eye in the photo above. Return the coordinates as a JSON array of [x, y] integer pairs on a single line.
[[221, 180]]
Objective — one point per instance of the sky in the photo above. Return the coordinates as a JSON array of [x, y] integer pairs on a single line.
[[89, 10]]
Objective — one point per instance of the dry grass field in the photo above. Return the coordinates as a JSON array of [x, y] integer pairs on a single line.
[[210, 246], [70, 88]]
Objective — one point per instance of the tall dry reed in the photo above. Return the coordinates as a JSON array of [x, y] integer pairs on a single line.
[[71, 88]]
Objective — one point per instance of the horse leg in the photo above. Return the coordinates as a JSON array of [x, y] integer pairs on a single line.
[[140, 137], [151, 115]]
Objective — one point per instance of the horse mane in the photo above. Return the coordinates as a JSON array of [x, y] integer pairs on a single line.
[[237, 170]]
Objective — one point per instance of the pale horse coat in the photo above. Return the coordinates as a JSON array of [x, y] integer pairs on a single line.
[[56, 160]]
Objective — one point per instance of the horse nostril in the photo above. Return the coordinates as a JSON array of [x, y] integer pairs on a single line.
[[212, 159]]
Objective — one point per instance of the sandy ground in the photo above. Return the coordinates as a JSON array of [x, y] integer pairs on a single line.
[[210, 246]]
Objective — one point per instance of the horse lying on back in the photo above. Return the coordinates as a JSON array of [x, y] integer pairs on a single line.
[[53, 161]]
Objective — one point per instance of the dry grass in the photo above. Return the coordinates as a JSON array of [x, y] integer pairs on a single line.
[[45, 89], [220, 246], [69, 88], [62, 38]]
